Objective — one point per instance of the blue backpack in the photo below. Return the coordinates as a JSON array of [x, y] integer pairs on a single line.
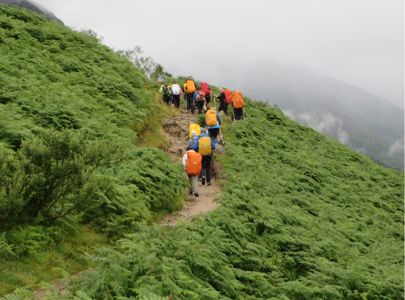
[[193, 143]]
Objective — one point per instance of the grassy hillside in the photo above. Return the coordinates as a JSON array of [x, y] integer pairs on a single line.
[[71, 110], [302, 217]]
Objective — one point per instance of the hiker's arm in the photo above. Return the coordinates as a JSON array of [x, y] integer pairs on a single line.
[[184, 160]]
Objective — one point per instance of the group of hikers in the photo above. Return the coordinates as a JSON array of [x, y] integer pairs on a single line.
[[199, 98], [203, 141]]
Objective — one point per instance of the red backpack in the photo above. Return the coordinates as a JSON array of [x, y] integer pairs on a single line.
[[205, 88], [228, 96]]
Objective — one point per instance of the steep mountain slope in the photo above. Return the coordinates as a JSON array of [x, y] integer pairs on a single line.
[[301, 217], [71, 110], [31, 6], [349, 114]]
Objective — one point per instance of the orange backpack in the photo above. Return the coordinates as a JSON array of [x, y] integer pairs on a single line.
[[237, 100], [193, 166], [211, 118], [190, 86]]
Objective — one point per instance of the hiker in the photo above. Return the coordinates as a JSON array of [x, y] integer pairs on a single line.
[[190, 88], [207, 91], [192, 162], [166, 94], [199, 100], [213, 122], [176, 92], [238, 103], [222, 102], [206, 146]]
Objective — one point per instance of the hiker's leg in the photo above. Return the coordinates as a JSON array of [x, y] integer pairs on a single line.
[[190, 179], [226, 108], [200, 106], [194, 184], [204, 166], [175, 100], [215, 133], [189, 101], [208, 98], [210, 132], [238, 113]]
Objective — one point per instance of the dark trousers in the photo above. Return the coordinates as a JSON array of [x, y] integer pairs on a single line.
[[208, 98], [238, 113], [213, 132], [167, 99], [200, 105], [224, 107], [206, 167], [176, 100], [190, 104]]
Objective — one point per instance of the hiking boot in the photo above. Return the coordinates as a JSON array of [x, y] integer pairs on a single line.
[[203, 181], [190, 192], [196, 194], [209, 183]]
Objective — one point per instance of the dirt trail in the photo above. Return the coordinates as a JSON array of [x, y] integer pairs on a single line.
[[176, 130]]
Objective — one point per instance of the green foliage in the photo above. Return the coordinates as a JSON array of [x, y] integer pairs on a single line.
[[71, 110], [302, 217], [148, 182]]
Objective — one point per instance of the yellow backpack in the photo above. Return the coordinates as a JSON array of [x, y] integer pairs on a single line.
[[204, 146], [194, 128], [211, 118], [190, 86]]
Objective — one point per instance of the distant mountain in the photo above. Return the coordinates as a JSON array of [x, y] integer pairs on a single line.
[[32, 6], [353, 116]]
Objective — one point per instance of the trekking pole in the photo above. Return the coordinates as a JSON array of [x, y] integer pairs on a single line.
[[222, 137]]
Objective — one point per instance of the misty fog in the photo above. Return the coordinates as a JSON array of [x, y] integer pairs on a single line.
[[331, 64]]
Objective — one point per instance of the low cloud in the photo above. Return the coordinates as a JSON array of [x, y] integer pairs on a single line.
[[325, 123], [397, 147]]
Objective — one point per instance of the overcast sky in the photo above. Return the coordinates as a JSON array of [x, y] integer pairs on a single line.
[[359, 41]]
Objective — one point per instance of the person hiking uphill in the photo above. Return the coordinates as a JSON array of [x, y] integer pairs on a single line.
[[207, 91], [238, 103], [166, 94], [225, 98], [213, 122], [199, 100], [176, 92], [206, 147], [192, 162], [190, 88]]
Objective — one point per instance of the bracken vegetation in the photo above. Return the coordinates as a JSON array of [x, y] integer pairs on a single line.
[[71, 110], [301, 216]]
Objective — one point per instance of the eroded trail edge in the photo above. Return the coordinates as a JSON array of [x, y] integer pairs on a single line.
[[176, 129]]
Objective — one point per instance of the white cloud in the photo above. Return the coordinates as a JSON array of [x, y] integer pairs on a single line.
[[397, 147], [325, 123]]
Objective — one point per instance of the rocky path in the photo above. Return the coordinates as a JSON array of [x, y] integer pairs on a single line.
[[177, 133], [176, 129]]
